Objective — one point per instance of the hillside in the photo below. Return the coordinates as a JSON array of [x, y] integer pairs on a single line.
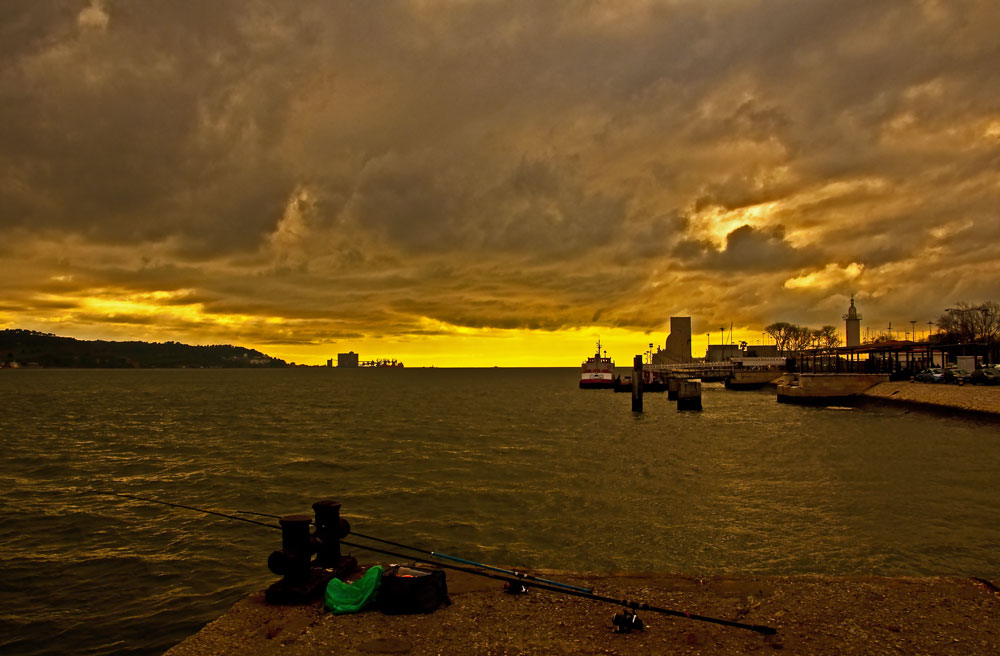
[[33, 348]]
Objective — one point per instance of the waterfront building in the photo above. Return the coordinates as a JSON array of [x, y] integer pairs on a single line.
[[722, 352], [761, 351], [349, 359]]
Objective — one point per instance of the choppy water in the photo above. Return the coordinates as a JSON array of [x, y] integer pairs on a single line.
[[506, 466]]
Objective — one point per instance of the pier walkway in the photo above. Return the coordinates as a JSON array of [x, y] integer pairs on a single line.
[[814, 615], [969, 400]]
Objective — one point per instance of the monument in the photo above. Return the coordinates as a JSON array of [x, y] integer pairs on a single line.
[[678, 346]]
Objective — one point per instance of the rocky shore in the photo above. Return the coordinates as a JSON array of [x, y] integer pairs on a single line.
[[965, 400], [816, 615]]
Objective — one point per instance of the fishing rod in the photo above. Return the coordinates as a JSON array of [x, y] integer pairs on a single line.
[[536, 583], [180, 505], [521, 575], [512, 572], [635, 605], [438, 554]]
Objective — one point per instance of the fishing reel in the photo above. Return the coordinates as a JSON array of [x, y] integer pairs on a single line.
[[627, 622], [514, 588], [304, 578]]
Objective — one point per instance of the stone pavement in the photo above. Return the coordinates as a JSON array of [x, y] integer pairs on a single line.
[[813, 615], [973, 400]]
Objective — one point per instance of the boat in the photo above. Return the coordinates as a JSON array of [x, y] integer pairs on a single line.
[[598, 372]]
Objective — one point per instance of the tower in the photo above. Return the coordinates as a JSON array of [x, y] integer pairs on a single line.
[[853, 325]]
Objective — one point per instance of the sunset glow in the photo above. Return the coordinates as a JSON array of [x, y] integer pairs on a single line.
[[481, 184]]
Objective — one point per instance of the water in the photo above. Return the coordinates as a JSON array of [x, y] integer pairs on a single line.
[[505, 466]]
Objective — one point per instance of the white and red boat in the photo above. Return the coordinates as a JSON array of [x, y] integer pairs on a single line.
[[598, 372]]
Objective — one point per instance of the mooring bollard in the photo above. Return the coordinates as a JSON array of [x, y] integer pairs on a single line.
[[304, 579], [637, 384], [673, 384], [292, 562], [689, 395], [330, 528]]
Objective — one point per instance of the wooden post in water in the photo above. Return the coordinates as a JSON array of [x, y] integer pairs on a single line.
[[637, 384], [673, 384], [689, 395]]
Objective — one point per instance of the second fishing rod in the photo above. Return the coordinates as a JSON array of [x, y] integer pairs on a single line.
[[528, 580], [437, 554], [633, 605]]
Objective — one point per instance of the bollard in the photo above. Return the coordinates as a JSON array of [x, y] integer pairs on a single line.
[[673, 384], [303, 579], [689, 395], [292, 562], [330, 528], [637, 384], [297, 584]]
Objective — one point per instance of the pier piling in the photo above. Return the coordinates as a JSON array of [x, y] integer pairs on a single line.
[[637, 384], [689, 395], [673, 384]]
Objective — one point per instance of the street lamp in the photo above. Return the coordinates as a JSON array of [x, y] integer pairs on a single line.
[[913, 329]]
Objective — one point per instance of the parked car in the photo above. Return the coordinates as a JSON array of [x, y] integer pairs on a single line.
[[932, 375], [985, 377], [956, 375]]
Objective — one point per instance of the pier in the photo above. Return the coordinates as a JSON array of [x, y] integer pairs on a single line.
[[737, 373], [820, 615]]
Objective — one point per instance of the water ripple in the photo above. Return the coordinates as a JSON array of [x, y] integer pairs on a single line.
[[512, 467]]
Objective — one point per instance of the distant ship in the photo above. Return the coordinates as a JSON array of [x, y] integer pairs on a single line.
[[598, 372]]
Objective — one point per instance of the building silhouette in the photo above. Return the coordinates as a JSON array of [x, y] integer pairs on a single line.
[[678, 345], [853, 325]]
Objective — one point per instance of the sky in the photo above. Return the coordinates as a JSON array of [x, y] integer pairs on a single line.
[[480, 183]]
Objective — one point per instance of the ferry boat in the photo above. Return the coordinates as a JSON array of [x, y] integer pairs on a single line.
[[598, 372]]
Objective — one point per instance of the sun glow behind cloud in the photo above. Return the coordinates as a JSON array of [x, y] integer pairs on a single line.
[[152, 315], [827, 277]]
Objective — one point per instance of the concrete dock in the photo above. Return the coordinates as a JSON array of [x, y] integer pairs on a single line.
[[972, 401], [814, 615]]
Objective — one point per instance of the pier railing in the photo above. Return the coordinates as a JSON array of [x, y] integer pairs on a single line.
[[692, 370]]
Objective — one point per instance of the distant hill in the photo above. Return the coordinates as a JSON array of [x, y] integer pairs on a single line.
[[33, 348]]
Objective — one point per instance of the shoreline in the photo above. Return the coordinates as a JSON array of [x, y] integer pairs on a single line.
[[972, 401], [817, 615]]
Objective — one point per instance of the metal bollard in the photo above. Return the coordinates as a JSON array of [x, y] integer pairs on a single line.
[[292, 562], [330, 528], [304, 579]]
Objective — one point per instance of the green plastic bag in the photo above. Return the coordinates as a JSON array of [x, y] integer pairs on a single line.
[[351, 597]]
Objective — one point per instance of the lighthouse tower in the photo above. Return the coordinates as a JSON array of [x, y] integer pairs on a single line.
[[853, 327]]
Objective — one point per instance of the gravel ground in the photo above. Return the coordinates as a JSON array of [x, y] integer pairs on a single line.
[[814, 615]]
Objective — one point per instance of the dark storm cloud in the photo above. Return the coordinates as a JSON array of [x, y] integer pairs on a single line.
[[498, 164], [747, 250]]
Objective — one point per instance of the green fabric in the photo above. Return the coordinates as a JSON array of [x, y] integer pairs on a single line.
[[351, 597]]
